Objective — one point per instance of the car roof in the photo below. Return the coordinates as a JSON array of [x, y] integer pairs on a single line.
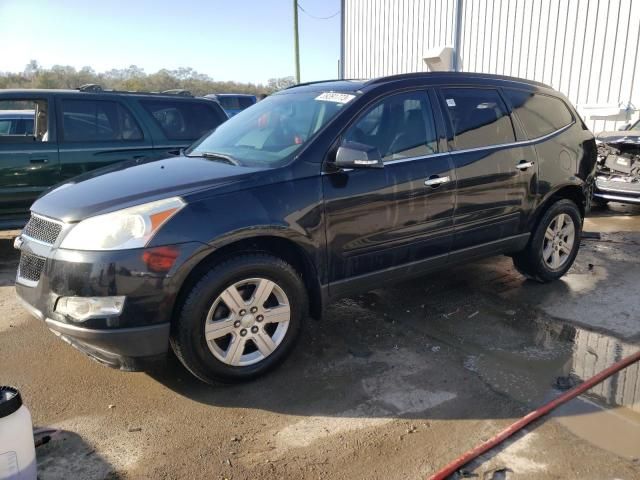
[[354, 85], [69, 91]]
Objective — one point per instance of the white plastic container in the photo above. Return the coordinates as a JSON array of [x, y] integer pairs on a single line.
[[17, 450]]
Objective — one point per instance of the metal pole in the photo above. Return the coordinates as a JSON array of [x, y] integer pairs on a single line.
[[342, 20], [457, 38], [296, 47]]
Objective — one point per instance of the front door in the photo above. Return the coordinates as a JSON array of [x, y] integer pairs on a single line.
[[496, 175], [389, 220], [28, 156]]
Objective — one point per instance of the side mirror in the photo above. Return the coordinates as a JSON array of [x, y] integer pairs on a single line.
[[624, 127], [358, 155]]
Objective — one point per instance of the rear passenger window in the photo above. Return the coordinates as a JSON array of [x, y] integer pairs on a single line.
[[183, 120], [400, 126], [540, 114], [479, 117], [98, 120], [24, 121]]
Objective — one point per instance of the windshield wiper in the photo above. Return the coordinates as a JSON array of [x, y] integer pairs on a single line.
[[216, 156]]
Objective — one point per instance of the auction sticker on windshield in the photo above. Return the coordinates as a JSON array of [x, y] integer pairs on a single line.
[[335, 97]]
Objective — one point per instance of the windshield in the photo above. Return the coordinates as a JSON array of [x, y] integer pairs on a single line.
[[271, 131]]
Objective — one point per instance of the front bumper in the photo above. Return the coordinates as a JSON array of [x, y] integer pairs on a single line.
[[625, 192], [135, 338]]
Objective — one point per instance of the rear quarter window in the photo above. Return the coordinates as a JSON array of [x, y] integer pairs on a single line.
[[183, 120], [539, 114], [98, 120], [479, 117]]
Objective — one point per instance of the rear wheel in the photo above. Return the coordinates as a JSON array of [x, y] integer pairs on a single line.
[[554, 244], [240, 319]]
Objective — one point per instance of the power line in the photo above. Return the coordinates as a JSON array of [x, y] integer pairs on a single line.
[[316, 17]]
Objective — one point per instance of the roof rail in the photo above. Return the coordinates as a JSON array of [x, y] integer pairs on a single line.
[[323, 81], [95, 88], [178, 91], [91, 87], [402, 76]]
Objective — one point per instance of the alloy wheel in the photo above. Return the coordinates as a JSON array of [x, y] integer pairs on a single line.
[[558, 241], [247, 322]]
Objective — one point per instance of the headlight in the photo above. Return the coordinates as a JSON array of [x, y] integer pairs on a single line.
[[128, 228]]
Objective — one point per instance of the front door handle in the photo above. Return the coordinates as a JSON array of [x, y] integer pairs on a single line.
[[38, 160], [523, 165], [436, 181]]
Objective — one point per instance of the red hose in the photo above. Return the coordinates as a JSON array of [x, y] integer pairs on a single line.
[[454, 466]]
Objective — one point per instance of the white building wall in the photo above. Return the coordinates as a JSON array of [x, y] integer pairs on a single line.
[[587, 49]]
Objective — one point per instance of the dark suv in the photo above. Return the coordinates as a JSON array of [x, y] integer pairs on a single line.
[[318, 191], [50, 136]]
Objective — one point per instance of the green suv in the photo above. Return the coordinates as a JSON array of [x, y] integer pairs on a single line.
[[69, 132]]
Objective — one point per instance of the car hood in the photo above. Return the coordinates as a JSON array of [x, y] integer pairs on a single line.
[[625, 136], [134, 182]]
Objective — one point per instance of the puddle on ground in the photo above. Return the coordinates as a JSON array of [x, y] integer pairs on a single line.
[[532, 359]]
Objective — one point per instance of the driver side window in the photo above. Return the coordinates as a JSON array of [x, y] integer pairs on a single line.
[[399, 126]]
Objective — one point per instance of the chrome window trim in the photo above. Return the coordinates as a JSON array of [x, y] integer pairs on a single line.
[[520, 143]]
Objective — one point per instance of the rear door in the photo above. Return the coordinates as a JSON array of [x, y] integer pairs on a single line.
[[388, 220], [95, 131], [177, 123], [28, 153], [496, 175]]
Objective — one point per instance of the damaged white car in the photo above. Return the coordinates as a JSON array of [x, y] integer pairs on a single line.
[[618, 178]]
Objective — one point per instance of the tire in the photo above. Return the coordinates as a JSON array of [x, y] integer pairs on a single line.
[[534, 261], [236, 347]]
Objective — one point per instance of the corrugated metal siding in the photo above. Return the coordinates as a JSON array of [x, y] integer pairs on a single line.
[[587, 49], [385, 37], [595, 352]]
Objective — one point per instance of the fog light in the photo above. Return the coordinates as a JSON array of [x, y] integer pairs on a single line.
[[83, 308]]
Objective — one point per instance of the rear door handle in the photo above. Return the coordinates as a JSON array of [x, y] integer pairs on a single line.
[[38, 160], [523, 165], [436, 181]]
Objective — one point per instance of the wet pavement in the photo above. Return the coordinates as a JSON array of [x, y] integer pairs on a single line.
[[390, 384]]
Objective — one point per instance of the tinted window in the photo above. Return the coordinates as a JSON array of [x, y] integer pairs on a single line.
[[98, 120], [183, 120], [540, 114], [400, 126], [246, 102], [235, 102], [479, 117]]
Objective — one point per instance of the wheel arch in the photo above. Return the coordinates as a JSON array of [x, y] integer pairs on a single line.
[[279, 246], [573, 192]]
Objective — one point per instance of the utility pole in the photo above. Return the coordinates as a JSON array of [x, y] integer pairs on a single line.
[[296, 47]]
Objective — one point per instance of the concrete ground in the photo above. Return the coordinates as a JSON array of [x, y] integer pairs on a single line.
[[391, 384]]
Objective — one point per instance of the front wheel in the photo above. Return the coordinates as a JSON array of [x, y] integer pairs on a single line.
[[553, 245], [240, 319]]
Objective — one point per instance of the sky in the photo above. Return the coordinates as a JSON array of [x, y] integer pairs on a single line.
[[240, 40]]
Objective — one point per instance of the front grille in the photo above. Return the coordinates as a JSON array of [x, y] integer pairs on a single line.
[[30, 267], [42, 229]]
